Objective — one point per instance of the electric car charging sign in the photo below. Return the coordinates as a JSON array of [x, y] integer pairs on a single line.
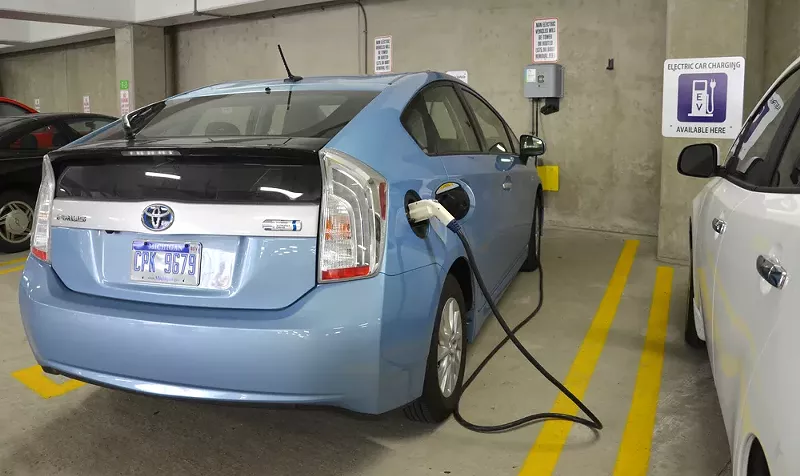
[[703, 97]]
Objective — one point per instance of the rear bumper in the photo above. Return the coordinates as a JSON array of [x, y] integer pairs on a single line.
[[359, 345]]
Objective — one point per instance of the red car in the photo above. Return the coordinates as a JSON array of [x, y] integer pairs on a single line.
[[10, 107]]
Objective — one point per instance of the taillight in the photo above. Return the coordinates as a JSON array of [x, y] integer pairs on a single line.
[[352, 219], [40, 240]]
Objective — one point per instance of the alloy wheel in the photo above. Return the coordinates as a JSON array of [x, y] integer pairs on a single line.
[[16, 221], [450, 349]]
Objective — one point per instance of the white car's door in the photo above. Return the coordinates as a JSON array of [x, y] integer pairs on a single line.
[[769, 365], [761, 230], [715, 205]]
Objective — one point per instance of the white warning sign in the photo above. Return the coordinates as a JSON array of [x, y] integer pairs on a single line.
[[383, 54], [545, 40], [124, 102]]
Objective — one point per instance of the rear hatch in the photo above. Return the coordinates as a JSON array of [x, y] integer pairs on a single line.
[[201, 225]]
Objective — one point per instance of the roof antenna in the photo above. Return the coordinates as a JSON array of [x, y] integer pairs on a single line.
[[292, 78]]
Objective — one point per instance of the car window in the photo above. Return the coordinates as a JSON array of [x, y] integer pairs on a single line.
[[44, 138], [7, 109], [747, 160], [496, 138], [415, 123], [788, 172], [225, 120], [84, 125], [297, 113], [437, 121]]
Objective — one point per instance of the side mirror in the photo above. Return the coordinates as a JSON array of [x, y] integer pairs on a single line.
[[698, 160], [530, 146]]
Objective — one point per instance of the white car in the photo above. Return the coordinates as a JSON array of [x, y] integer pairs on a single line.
[[744, 298]]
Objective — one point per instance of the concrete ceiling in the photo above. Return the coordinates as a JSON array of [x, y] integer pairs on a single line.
[[31, 24]]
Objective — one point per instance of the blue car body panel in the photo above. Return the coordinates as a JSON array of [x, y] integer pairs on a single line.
[[360, 344], [98, 263]]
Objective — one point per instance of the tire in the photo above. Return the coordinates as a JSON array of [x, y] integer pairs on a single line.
[[438, 398], [16, 220], [690, 330], [757, 462], [535, 241]]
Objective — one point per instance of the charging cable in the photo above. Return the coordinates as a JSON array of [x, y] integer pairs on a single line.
[[425, 210]]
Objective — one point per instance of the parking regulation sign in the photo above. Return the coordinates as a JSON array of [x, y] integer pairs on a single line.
[[703, 97]]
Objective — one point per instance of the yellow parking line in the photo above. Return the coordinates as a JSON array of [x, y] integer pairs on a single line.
[[35, 379], [543, 457], [634, 451], [14, 261], [11, 270]]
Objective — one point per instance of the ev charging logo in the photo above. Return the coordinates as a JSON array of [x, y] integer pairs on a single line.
[[702, 97]]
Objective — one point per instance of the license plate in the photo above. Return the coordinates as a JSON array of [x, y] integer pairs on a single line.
[[166, 263]]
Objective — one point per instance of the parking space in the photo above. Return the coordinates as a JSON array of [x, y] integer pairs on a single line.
[[611, 313]]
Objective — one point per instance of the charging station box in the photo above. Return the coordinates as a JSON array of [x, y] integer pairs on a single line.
[[545, 80]]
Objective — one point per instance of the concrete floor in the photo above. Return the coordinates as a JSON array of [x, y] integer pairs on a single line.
[[95, 431]]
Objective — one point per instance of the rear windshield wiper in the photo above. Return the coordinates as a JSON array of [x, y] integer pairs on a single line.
[[133, 122]]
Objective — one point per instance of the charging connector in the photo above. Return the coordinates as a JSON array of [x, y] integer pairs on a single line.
[[425, 210]]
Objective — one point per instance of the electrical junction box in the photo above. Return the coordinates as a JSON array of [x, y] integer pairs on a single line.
[[544, 80]]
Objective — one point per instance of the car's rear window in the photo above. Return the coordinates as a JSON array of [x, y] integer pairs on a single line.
[[209, 180], [284, 113]]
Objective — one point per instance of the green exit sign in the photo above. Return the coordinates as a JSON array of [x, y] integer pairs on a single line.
[[123, 84]]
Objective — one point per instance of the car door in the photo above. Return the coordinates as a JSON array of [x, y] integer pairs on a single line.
[[519, 192], [757, 225], [719, 199], [439, 123]]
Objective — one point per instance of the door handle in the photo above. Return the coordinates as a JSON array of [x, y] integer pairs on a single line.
[[718, 225], [771, 272], [507, 184]]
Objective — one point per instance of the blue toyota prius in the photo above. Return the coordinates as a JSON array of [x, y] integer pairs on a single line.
[[249, 242]]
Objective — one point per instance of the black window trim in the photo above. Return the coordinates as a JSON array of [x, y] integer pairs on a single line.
[[778, 144], [474, 120]]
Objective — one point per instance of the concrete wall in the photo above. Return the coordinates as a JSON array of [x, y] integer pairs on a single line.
[[755, 52], [688, 22], [60, 77], [141, 61], [782, 37], [315, 43], [606, 138]]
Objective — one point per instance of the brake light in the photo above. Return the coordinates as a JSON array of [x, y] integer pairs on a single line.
[[353, 218], [40, 241]]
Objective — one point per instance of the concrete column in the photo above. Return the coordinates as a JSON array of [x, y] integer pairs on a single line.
[[141, 62], [697, 29]]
